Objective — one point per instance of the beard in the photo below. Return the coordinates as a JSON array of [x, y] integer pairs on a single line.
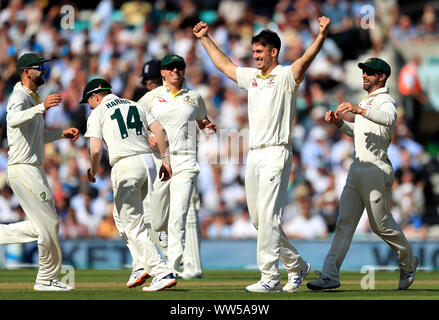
[[39, 80]]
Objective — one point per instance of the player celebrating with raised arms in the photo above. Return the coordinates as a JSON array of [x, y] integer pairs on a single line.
[[179, 110], [25, 174], [123, 125], [370, 177], [272, 90]]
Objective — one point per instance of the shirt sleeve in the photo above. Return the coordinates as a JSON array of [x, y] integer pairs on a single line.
[[145, 101], [93, 126], [347, 128], [18, 114], [245, 77], [288, 81], [385, 114], [202, 111], [52, 135], [149, 118]]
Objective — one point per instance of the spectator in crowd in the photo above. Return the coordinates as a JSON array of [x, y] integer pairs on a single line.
[[308, 224], [413, 96], [71, 228]]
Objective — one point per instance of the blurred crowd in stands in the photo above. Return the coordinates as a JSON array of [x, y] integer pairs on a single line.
[[113, 39]]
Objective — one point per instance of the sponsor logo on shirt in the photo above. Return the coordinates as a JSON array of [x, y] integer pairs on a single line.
[[187, 99], [271, 84], [161, 99], [254, 83]]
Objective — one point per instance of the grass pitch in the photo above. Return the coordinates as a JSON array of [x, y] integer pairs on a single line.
[[215, 285]]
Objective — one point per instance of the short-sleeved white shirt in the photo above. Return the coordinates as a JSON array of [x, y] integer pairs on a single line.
[[177, 114], [271, 104], [122, 124]]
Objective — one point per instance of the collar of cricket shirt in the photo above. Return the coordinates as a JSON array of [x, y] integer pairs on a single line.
[[377, 92], [34, 95], [272, 74], [183, 88]]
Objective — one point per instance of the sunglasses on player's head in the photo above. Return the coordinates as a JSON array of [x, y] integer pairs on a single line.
[[172, 66], [370, 72], [39, 67]]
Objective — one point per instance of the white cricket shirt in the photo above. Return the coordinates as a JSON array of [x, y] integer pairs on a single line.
[[25, 127], [372, 134], [177, 113], [122, 124], [271, 104]]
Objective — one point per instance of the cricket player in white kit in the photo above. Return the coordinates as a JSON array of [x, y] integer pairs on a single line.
[[123, 125], [25, 174], [192, 267], [179, 110], [272, 90], [370, 177]]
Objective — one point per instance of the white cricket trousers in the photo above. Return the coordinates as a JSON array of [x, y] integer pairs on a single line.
[[30, 186], [368, 185], [266, 181], [192, 255], [130, 178], [170, 203], [192, 241]]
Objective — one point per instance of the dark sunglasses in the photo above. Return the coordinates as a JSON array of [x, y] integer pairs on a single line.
[[370, 72], [40, 67], [172, 66]]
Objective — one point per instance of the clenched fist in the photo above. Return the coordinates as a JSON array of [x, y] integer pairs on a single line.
[[71, 133], [324, 23], [200, 30]]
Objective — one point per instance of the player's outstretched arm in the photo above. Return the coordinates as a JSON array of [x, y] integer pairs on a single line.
[[219, 59], [95, 151], [165, 171], [301, 65]]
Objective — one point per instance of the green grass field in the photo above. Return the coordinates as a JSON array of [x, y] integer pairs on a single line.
[[215, 285]]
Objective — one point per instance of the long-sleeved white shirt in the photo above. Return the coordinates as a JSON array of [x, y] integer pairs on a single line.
[[372, 134], [25, 128]]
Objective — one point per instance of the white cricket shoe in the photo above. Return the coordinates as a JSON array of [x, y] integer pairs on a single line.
[[137, 278], [161, 284], [265, 286], [406, 278], [295, 280], [323, 283], [55, 285], [163, 238]]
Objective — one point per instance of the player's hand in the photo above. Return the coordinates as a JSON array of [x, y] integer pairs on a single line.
[[165, 172], [152, 142], [334, 118], [200, 30], [346, 107], [71, 133], [52, 101], [90, 175], [324, 23], [208, 126]]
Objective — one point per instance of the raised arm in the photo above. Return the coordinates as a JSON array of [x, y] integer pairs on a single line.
[[301, 65], [220, 60]]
